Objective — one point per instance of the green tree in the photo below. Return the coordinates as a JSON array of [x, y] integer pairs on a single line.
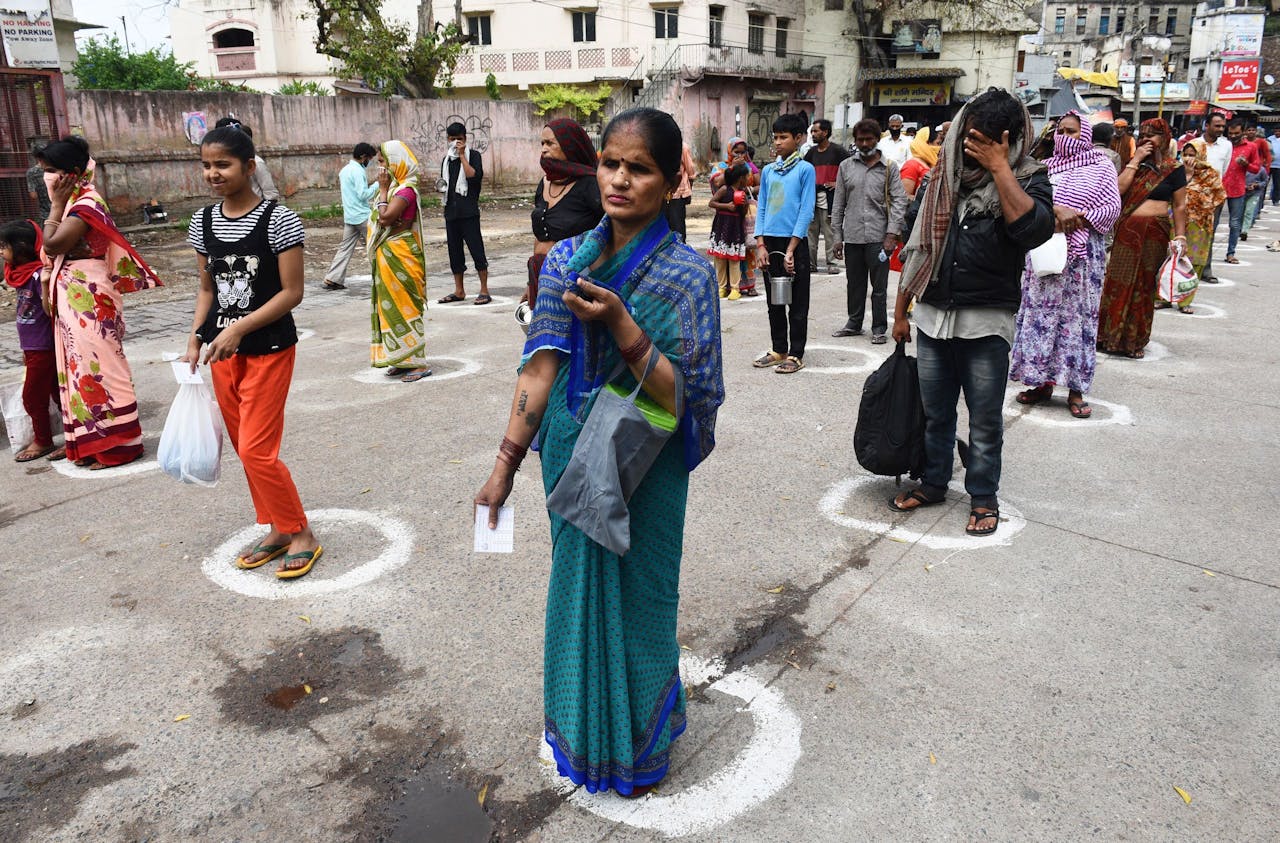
[[386, 54], [491, 87], [104, 64]]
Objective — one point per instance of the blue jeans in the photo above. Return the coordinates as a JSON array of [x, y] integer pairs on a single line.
[[1275, 186], [981, 368], [1235, 221], [1262, 200]]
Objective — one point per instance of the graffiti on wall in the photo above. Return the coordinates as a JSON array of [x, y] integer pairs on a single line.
[[760, 127], [430, 134]]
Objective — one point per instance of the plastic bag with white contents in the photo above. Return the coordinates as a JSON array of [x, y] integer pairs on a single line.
[[17, 423], [191, 444]]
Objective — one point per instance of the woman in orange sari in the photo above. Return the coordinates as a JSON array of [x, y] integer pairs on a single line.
[[1151, 184], [92, 265]]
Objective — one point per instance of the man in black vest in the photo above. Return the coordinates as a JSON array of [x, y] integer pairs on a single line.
[[987, 203]]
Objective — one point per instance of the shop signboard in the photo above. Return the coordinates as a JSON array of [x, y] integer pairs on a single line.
[[911, 93], [1239, 80]]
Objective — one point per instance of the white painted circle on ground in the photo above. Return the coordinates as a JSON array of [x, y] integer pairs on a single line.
[[1243, 247], [762, 769], [262, 582], [1204, 310], [359, 279], [378, 376], [1237, 263], [832, 507], [305, 334], [872, 359], [1222, 284], [1057, 415], [69, 469]]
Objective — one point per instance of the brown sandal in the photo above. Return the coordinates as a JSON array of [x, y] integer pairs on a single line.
[[789, 366]]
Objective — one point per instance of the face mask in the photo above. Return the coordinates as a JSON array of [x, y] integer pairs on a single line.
[[894, 133]]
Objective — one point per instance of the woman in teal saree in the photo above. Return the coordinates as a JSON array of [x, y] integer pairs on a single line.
[[612, 694]]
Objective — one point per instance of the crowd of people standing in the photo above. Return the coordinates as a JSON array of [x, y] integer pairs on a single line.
[[623, 308]]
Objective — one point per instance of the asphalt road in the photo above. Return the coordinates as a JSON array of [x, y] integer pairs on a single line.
[[858, 674]]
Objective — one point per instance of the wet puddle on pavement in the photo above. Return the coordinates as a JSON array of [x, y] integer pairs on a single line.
[[433, 808]]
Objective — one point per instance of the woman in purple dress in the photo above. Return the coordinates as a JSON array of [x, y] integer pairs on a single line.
[[1057, 324]]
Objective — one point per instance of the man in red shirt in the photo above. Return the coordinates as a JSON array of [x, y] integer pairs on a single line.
[[1244, 159], [1264, 155]]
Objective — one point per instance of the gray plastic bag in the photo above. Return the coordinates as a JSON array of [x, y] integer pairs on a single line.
[[615, 450]]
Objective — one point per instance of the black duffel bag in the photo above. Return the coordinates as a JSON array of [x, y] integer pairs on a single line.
[[889, 438]]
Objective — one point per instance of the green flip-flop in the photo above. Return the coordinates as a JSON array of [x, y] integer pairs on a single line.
[[273, 551]]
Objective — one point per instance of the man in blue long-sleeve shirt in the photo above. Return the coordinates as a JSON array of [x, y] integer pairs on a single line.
[[356, 194], [787, 190]]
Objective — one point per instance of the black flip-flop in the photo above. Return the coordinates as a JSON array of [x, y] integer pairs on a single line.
[[36, 455], [982, 516], [333, 285], [915, 495], [451, 298], [484, 298]]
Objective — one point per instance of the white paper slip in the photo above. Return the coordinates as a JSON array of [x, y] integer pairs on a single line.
[[501, 540], [182, 373]]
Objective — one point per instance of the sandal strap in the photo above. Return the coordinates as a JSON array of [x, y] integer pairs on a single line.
[[975, 513]]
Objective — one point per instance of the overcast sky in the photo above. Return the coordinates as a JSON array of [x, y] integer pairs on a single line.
[[148, 20]]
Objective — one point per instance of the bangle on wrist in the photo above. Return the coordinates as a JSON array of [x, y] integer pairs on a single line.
[[638, 350], [511, 453]]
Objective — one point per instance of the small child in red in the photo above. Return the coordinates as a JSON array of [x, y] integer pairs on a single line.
[[20, 244]]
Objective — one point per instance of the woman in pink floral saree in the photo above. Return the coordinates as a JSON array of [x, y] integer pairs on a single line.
[[91, 265]]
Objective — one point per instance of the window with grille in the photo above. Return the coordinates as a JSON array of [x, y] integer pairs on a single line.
[[1082, 20], [715, 34], [1060, 22], [755, 33], [480, 29], [666, 23], [834, 6], [1153, 22], [780, 48], [1171, 22], [1104, 21], [1120, 21], [584, 26]]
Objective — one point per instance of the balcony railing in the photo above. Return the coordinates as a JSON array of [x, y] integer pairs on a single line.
[[741, 61], [579, 62]]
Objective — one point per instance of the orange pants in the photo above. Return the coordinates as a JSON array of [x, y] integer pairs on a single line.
[[251, 391]]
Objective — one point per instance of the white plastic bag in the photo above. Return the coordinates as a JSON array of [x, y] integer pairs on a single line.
[[16, 421], [191, 444], [1176, 279], [1050, 257]]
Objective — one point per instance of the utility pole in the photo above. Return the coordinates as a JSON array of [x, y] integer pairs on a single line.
[[127, 51]]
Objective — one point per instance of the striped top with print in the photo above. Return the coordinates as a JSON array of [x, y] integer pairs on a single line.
[[284, 230]]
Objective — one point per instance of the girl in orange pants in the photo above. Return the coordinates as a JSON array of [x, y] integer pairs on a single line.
[[250, 257]]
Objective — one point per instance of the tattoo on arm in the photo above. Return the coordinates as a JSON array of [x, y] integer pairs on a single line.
[[520, 405], [533, 420]]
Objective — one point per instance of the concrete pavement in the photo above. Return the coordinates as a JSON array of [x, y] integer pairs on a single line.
[[859, 674]]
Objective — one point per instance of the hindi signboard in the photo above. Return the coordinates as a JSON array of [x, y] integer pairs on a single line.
[[911, 93], [27, 29]]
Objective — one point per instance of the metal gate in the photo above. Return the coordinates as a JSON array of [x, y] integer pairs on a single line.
[[33, 107]]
